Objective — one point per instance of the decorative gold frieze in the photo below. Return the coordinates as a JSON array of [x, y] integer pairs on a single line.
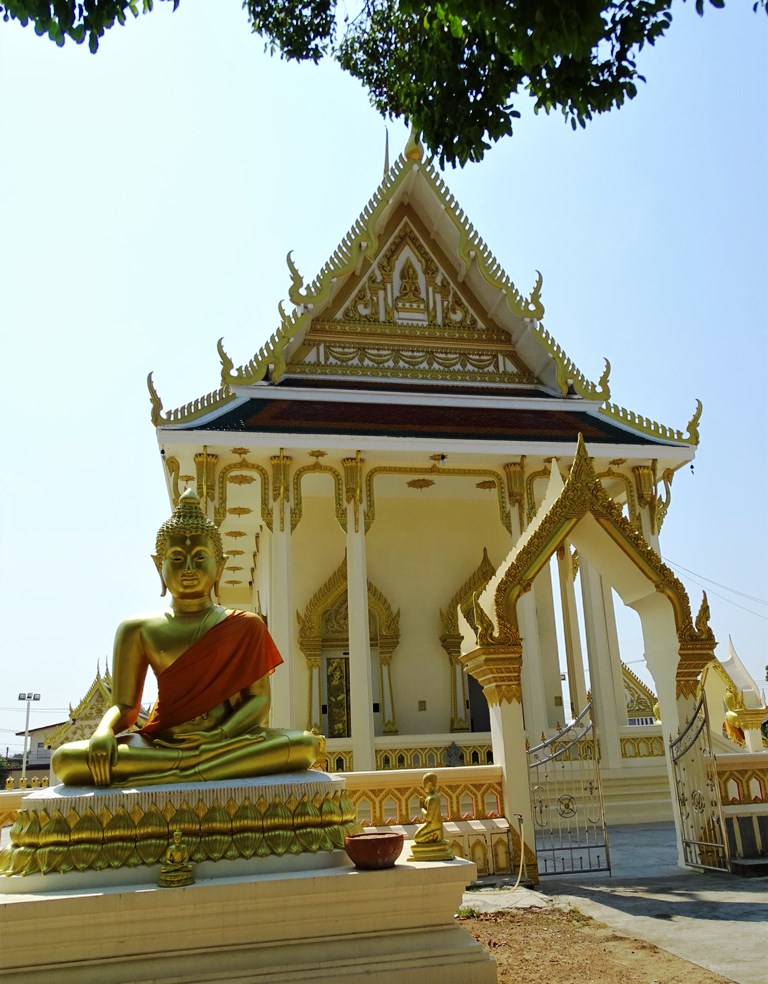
[[431, 756], [398, 802], [642, 746], [743, 784]]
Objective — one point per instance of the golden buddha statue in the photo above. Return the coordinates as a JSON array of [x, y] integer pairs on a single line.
[[176, 871], [429, 843], [212, 667]]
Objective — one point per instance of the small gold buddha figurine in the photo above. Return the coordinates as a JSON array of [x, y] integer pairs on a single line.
[[212, 667], [429, 844], [176, 869]]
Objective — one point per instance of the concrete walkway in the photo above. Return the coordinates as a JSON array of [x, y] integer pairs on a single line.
[[717, 921]]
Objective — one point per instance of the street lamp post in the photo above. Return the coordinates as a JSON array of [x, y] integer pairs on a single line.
[[28, 698]]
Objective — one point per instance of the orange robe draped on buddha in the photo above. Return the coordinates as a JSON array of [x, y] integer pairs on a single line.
[[231, 656]]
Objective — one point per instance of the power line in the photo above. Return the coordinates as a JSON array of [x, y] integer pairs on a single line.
[[742, 594], [717, 594]]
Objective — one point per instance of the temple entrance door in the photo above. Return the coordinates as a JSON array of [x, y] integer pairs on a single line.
[[336, 693], [479, 715]]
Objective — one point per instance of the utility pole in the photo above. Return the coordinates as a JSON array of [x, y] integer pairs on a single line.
[[28, 698]]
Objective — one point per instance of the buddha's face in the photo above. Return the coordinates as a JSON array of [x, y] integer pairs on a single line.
[[188, 566]]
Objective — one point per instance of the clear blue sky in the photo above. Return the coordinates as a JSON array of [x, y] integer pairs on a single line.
[[150, 193]]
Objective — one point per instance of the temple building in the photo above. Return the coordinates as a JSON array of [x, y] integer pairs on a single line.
[[404, 432]]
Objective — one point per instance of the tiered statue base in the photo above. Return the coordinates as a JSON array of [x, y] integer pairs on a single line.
[[436, 851], [243, 825], [335, 925]]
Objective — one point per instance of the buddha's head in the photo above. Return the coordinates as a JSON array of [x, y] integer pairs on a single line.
[[188, 552]]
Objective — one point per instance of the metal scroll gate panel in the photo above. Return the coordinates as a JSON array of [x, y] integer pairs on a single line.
[[698, 794], [567, 800]]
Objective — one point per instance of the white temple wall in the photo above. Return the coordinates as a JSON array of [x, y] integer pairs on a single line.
[[318, 545], [420, 551]]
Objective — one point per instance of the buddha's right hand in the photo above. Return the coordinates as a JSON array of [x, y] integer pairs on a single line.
[[101, 757]]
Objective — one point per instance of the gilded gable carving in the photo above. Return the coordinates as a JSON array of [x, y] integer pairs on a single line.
[[408, 318]]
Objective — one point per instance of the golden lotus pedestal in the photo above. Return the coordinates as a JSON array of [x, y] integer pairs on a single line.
[[88, 837], [268, 918]]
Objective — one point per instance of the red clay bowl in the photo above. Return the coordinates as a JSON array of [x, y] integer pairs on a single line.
[[374, 851]]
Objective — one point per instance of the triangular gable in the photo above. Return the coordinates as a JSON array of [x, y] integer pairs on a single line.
[[490, 332], [407, 317]]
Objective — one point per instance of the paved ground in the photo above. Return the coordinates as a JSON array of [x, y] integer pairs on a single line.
[[713, 920]]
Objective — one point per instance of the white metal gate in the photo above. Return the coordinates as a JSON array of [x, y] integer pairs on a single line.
[[697, 792], [567, 800]]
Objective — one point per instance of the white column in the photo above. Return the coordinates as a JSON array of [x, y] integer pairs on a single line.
[[601, 668], [282, 617], [574, 657], [360, 683], [614, 651], [508, 743], [548, 649], [532, 679]]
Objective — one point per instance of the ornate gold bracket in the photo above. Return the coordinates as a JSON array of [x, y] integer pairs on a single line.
[[233, 472], [313, 469], [281, 483], [353, 485]]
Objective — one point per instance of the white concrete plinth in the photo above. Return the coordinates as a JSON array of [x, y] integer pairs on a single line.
[[379, 927]]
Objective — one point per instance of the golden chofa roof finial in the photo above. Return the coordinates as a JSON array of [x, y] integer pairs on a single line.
[[414, 151]]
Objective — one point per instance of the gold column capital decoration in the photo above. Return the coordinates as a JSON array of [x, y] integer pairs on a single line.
[[173, 468], [648, 495], [514, 472], [281, 482], [205, 470], [353, 484], [498, 671]]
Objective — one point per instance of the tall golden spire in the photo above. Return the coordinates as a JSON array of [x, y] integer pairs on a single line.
[[386, 151]]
